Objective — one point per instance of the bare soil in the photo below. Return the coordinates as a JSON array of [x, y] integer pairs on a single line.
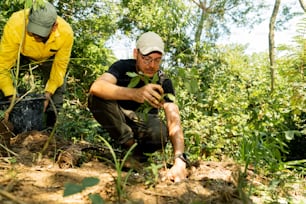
[[35, 179]]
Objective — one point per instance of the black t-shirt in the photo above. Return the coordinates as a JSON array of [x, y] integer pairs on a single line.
[[120, 68]]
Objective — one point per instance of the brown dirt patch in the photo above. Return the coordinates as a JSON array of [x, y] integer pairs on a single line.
[[35, 180]]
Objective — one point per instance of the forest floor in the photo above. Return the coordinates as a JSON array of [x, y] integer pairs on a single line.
[[25, 179]]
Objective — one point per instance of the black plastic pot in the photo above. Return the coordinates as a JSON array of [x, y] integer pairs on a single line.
[[27, 114]]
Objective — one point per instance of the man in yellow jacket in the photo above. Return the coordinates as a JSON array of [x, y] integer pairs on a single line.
[[44, 38]]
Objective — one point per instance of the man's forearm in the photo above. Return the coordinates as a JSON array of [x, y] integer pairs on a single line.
[[109, 91], [174, 125], [177, 143]]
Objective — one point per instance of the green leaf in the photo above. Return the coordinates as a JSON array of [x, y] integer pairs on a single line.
[[28, 4], [154, 79], [146, 79], [289, 135], [71, 189], [134, 82], [96, 198], [90, 181], [171, 97], [147, 110], [132, 74], [194, 86]]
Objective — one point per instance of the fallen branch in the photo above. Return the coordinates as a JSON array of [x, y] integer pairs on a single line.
[[148, 192], [11, 197], [8, 150]]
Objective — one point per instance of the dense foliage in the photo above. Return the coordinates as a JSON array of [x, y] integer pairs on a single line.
[[227, 108]]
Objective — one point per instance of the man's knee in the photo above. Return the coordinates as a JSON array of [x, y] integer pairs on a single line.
[[154, 136]]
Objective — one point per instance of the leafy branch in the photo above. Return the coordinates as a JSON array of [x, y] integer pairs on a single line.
[[136, 77]]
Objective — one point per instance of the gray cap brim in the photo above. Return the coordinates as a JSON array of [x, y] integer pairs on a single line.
[[38, 30]]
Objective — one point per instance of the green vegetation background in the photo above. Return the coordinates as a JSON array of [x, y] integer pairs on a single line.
[[227, 106]]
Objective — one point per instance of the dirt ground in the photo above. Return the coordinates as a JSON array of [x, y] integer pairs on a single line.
[[33, 180]]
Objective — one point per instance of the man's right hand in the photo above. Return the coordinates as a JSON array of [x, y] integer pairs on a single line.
[[152, 93]]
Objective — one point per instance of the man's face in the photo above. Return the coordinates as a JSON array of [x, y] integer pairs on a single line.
[[148, 64], [38, 38]]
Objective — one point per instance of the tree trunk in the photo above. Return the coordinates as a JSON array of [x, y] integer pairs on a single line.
[[303, 5], [199, 30], [272, 42]]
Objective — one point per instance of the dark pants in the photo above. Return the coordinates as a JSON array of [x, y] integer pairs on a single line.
[[122, 125]]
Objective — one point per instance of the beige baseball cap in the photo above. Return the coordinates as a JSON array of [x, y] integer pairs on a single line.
[[42, 19], [150, 42]]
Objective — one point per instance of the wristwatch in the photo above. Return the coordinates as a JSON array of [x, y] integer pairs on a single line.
[[183, 157]]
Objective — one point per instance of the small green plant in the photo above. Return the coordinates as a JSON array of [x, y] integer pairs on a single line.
[[119, 182], [152, 178], [137, 77], [145, 108], [71, 188]]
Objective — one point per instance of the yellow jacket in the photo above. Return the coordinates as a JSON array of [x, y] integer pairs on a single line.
[[58, 45]]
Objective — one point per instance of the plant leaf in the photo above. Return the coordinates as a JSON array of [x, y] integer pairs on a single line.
[[96, 198], [71, 189], [134, 82], [155, 78], [289, 135], [90, 181], [171, 97], [132, 74]]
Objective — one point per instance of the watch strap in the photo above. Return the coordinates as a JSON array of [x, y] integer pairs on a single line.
[[183, 157]]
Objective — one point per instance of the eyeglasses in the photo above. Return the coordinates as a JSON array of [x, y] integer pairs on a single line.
[[148, 60]]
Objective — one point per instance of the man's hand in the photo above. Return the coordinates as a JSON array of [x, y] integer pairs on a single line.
[[152, 93], [178, 171], [48, 98]]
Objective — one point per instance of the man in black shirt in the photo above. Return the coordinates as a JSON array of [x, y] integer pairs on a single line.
[[115, 104]]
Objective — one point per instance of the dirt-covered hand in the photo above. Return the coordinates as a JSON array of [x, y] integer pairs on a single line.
[[178, 171], [152, 93]]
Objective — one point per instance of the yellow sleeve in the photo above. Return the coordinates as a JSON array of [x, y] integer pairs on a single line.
[[60, 64], [9, 47]]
